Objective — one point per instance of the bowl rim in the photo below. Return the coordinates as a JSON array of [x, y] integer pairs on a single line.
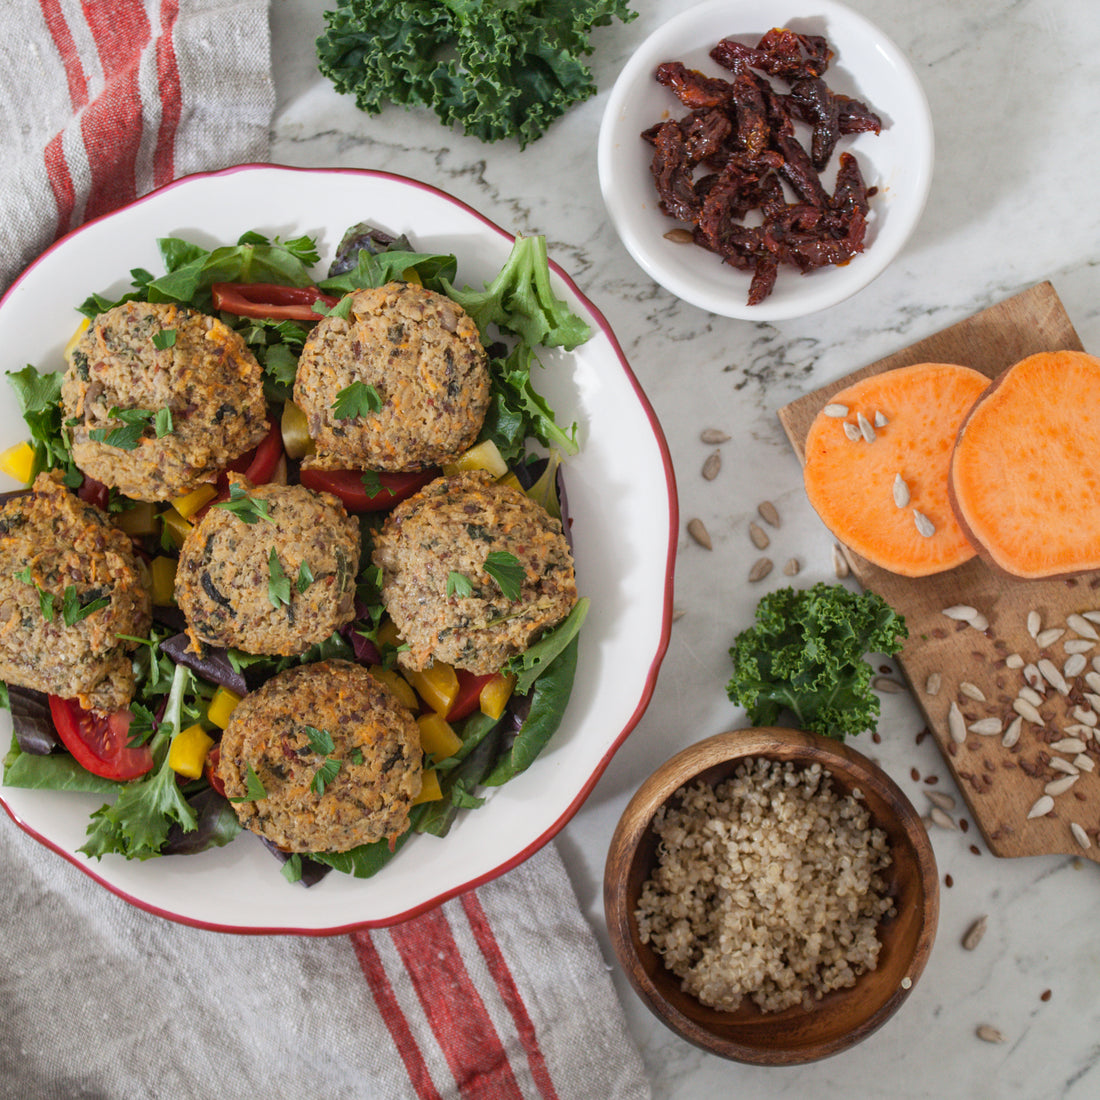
[[775, 742]]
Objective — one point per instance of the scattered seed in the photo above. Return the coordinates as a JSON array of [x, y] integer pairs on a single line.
[[1014, 660], [1059, 786], [1068, 744], [1012, 734], [1034, 623], [1093, 680], [956, 725], [713, 435], [1045, 995], [1085, 717], [679, 235], [975, 933], [759, 536], [1048, 637], [699, 533], [760, 569], [941, 818], [1034, 677], [1096, 663], [1077, 645], [1042, 806], [942, 799], [1052, 676], [1083, 762], [835, 410], [1027, 711], [901, 492], [1074, 666], [1080, 835], [1093, 700], [979, 622], [906, 982], [989, 1034], [948, 881], [840, 563], [712, 465], [678, 613], [960, 612], [1032, 696], [880, 419], [768, 513], [852, 431], [1080, 625], [791, 567], [986, 727], [885, 684], [925, 526], [1079, 729], [865, 428], [971, 691], [932, 684]]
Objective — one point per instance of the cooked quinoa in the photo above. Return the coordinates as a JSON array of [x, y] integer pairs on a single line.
[[769, 885]]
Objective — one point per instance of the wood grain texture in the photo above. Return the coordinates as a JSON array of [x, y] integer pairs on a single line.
[[999, 784]]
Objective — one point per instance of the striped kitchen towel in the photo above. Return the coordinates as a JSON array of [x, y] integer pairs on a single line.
[[104, 100]]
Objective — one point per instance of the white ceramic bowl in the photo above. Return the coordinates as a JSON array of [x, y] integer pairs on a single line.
[[898, 161], [622, 499]]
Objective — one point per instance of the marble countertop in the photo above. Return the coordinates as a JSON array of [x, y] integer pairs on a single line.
[[1013, 86]]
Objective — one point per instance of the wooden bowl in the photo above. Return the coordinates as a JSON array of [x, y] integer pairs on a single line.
[[842, 1017]]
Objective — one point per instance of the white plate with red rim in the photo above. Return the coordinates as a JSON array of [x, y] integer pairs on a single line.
[[898, 161], [622, 499]]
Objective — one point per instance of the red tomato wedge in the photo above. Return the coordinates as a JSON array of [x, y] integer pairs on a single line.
[[258, 465], [270, 301], [469, 694], [210, 770], [348, 486], [98, 741]]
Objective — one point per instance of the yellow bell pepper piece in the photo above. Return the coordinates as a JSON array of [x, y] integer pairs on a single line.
[[177, 527], [481, 456], [496, 693], [411, 275], [437, 685], [295, 427], [139, 519], [162, 572], [222, 706], [397, 684], [429, 788], [18, 462], [437, 739], [187, 753], [188, 504], [75, 338], [386, 634], [511, 481]]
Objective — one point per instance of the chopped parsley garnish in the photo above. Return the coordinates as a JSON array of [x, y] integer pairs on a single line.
[[373, 483], [358, 399], [305, 576], [458, 584], [507, 571], [320, 741], [134, 423], [45, 604], [292, 868], [356, 756], [24, 575], [166, 338], [278, 583], [72, 610], [324, 775], [245, 508], [253, 787], [162, 425]]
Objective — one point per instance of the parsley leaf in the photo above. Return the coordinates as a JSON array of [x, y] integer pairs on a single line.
[[72, 610], [320, 741], [163, 423], [253, 787], [278, 583], [166, 338], [506, 570], [134, 423], [45, 604], [324, 775], [247, 509], [305, 576], [358, 399], [458, 584], [373, 483]]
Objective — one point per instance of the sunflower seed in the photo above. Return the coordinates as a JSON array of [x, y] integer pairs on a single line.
[[1064, 766], [986, 727], [1052, 676], [956, 725], [989, 1034], [679, 235], [1080, 835], [941, 818], [1092, 699], [768, 513], [901, 492], [1027, 711], [791, 567], [1079, 729], [1034, 677], [699, 533], [1085, 717], [1059, 786], [1080, 625], [1014, 660], [1032, 696], [960, 612], [925, 526], [840, 563], [979, 622], [713, 435], [1041, 807], [760, 569], [1077, 645], [885, 684], [942, 799], [1092, 616], [1096, 664], [677, 614], [712, 465], [1068, 744], [1093, 680], [1034, 623], [1074, 665], [932, 684], [833, 409], [852, 431], [759, 536], [975, 933], [880, 419], [1048, 637], [971, 691], [1012, 734], [1083, 762], [865, 428]]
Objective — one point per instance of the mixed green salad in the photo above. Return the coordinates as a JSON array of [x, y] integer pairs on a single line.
[[264, 289]]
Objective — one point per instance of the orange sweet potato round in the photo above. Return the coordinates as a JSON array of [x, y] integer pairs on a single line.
[[884, 493], [1025, 472]]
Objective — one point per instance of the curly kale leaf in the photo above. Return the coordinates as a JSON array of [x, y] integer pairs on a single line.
[[498, 68], [805, 654]]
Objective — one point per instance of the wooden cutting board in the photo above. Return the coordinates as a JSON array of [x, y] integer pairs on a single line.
[[999, 784]]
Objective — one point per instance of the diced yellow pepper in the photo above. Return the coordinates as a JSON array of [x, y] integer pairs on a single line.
[[496, 693], [429, 788], [162, 572], [411, 275], [481, 456], [296, 438], [437, 685], [18, 462], [437, 739], [397, 684], [188, 504], [386, 634], [188, 751], [176, 526], [222, 706], [139, 519], [75, 338], [511, 481]]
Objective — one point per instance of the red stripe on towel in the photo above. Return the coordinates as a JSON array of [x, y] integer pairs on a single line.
[[509, 993], [168, 80], [454, 1008], [66, 49], [64, 194], [392, 1016]]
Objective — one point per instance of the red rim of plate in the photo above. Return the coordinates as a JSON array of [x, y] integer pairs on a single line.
[[651, 677]]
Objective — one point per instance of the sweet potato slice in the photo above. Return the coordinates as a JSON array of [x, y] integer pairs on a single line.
[[1025, 472], [883, 493]]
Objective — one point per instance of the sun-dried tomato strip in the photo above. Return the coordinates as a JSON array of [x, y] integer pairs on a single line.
[[692, 88]]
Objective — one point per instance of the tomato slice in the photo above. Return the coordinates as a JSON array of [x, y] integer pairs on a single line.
[[210, 769], [98, 741], [270, 301], [348, 486], [94, 492], [259, 464], [469, 694]]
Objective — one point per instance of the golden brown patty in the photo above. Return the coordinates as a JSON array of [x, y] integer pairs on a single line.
[[332, 715], [421, 354], [451, 527], [59, 557], [207, 378], [234, 594]]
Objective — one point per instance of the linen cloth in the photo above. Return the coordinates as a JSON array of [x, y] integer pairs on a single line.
[[499, 993]]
